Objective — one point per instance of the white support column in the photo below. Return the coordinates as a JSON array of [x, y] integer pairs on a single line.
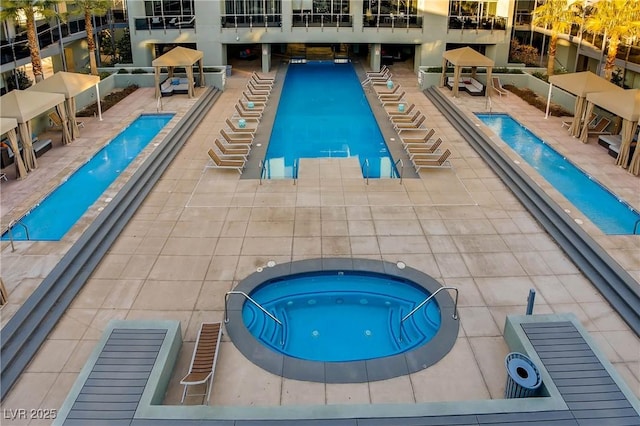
[[375, 57], [266, 57]]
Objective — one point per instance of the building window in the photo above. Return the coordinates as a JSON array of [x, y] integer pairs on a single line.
[[391, 13], [475, 14], [245, 13], [321, 12], [163, 14]]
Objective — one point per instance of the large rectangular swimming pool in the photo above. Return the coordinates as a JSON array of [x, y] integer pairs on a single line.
[[59, 211], [612, 215], [323, 112]]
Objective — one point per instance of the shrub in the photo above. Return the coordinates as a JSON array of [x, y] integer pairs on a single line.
[[542, 76], [533, 99], [523, 53], [123, 71], [110, 100], [23, 79], [139, 71]]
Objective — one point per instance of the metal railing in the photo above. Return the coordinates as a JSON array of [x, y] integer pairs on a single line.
[[401, 168], [241, 20], [391, 20], [261, 167], [295, 171], [256, 304], [10, 232], [427, 300], [365, 167], [635, 227]]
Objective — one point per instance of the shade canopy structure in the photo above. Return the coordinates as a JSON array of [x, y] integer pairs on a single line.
[[8, 128], [69, 84], [465, 57], [626, 105], [7, 124], [24, 105], [179, 57], [580, 84]]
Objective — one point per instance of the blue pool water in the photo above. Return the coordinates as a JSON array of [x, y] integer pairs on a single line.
[[57, 213], [341, 316], [323, 112], [602, 207]]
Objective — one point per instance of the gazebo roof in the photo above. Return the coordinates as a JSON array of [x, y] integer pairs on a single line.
[[23, 105], [623, 103], [581, 83], [7, 124], [178, 57], [69, 84], [467, 57]]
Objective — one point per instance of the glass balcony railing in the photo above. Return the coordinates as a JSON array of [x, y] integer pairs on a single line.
[[165, 22], [251, 20], [309, 19], [16, 48], [390, 20], [474, 23]]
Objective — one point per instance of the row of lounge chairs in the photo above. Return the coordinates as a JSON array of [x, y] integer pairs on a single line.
[[231, 149], [419, 141]]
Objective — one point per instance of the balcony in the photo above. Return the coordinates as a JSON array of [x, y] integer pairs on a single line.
[[251, 20], [488, 23], [390, 20], [15, 49], [165, 22]]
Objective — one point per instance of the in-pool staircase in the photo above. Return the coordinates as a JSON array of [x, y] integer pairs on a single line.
[[411, 333]]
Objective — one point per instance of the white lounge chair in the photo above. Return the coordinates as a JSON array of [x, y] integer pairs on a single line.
[[430, 161], [237, 129], [234, 138], [225, 162], [497, 86], [423, 148], [237, 149]]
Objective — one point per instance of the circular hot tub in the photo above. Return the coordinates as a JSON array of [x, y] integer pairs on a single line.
[[341, 320]]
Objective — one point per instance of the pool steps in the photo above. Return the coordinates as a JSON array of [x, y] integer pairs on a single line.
[[405, 337]]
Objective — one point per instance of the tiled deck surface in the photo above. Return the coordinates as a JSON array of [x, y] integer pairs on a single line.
[[202, 230]]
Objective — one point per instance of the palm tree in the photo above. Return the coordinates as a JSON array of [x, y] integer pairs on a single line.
[[616, 20], [89, 8], [557, 16], [16, 9]]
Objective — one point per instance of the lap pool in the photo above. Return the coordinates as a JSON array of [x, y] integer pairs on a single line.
[[52, 218], [323, 112], [610, 214]]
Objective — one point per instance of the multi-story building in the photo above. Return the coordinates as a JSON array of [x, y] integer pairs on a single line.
[[378, 30]]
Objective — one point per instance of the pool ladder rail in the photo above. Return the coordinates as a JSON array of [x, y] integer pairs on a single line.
[[427, 300], [12, 224], [259, 306]]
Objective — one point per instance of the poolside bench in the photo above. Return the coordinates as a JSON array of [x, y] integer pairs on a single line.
[[203, 361]]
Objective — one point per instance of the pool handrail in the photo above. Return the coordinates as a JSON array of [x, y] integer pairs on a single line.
[[431, 296], [366, 167], [10, 232], [399, 161], [259, 306]]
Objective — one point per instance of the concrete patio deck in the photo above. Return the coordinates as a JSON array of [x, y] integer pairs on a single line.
[[201, 231]]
